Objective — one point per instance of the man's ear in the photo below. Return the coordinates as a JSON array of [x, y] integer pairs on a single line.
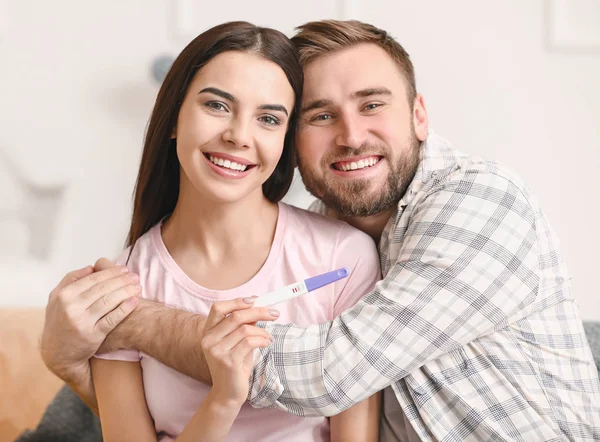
[[420, 118]]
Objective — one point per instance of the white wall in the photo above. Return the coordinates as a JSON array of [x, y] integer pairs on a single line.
[[76, 92]]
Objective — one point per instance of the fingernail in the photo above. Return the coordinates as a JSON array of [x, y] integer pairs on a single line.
[[133, 277], [249, 300], [125, 269], [274, 313], [134, 300]]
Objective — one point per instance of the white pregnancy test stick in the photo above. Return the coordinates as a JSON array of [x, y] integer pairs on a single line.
[[300, 288]]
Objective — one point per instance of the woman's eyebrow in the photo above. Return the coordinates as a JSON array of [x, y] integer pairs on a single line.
[[220, 93], [274, 107]]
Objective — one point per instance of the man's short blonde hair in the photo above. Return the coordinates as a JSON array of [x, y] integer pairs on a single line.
[[319, 38]]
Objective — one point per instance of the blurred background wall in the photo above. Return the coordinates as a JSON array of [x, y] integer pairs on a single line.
[[517, 81]]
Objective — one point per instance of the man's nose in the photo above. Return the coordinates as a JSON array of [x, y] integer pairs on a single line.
[[352, 132]]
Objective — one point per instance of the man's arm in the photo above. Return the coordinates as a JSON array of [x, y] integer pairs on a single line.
[[467, 265], [172, 336], [79, 379], [86, 314]]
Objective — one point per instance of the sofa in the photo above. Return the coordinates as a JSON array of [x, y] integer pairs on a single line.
[[27, 387]]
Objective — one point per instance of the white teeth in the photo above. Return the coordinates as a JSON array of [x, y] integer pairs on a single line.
[[227, 163], [361, 164]]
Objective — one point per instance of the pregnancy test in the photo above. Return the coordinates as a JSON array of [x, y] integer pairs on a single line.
[[300, 288]]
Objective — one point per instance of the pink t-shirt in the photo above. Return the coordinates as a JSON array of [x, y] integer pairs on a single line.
[[305, 245]]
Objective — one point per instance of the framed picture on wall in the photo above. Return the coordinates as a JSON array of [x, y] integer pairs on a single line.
[[573, 25], [3, 17]]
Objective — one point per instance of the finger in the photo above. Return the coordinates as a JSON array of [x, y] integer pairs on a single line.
[[221, 309], [103, 264], [87, 282], [107, 323], [103, 288], [74, 276], [227, 343], [109, 301], [237, 319], [245, 348]]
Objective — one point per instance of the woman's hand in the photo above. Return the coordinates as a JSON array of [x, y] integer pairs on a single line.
[[229, 346], [230, 337]]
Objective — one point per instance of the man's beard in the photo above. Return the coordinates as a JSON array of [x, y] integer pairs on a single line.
[[348, 197]]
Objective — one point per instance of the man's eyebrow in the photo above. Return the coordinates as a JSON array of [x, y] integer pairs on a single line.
[[363, 93], [220, 93], [274, 107], [316, 104]]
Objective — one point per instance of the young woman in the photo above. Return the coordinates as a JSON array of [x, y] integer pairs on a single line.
[[207, 226]]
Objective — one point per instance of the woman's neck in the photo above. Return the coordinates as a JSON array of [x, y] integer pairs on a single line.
[[217, 231]]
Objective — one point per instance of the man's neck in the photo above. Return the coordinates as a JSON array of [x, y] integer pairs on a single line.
[[372, 225]]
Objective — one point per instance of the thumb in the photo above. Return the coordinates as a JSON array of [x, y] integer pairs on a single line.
[[73, 276], [103, 264]]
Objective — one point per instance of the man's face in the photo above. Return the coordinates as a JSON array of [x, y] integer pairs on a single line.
[[359, 137]]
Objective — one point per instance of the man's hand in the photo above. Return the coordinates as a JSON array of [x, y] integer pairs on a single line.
[[81, 311]]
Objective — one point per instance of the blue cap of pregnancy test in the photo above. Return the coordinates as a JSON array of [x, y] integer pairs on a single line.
[[326, 278]]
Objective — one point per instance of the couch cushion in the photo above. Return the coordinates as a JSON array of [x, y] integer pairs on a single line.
[[26, 384]]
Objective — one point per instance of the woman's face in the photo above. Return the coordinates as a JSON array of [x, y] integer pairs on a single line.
[[231, 126]]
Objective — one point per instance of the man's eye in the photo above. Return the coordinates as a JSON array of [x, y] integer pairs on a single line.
[[322, 117], [372, 106]]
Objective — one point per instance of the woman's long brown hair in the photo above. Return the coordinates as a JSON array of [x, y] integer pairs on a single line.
[[157, 185]]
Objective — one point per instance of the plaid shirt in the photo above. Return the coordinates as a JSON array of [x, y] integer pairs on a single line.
[[474, 325]]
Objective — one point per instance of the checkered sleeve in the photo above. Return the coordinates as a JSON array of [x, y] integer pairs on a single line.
[[466, 264]]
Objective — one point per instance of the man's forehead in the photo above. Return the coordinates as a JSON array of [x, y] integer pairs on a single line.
[[346, 72]]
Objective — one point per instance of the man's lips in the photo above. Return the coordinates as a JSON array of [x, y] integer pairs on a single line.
[[356, 163]]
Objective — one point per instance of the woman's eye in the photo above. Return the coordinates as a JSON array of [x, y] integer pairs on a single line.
[[270, 120], [217, 106]]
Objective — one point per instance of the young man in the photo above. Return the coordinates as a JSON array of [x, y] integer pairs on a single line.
[[473, 332]]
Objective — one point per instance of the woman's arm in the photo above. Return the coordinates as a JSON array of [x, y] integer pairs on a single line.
[[228, 350], [359, 423], [122, 404], [212, 421]]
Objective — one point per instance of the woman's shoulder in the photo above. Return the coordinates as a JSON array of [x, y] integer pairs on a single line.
[[314, 225], [139, 252]]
